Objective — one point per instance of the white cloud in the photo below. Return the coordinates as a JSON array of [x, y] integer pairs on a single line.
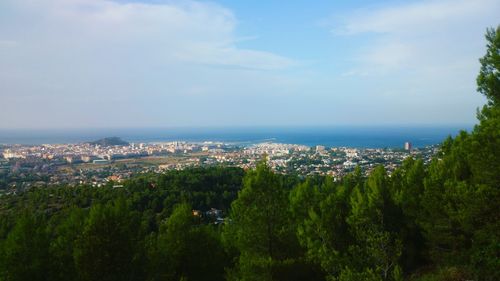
[[420, 15], [107, 63], [192, 31], [420, 57], [421, 35]]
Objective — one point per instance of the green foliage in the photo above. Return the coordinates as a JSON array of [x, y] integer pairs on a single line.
[[67, 229], [186, 250], [85, 233], [406, 191], [374, 225], [261, 229], [107, 246], [365, 275], [443, 274], [324, 232], [24, 253], [488, 80], [460, 215]]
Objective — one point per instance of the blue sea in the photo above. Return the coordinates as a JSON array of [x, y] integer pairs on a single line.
[[349, 136]]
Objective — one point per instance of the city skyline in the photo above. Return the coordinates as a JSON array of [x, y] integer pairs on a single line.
[[103, 63]]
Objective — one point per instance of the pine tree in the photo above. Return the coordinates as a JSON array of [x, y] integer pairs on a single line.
[[107, 247], [24, 254], [260, 228]]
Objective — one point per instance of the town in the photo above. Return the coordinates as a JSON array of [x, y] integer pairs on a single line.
[[97, 164]]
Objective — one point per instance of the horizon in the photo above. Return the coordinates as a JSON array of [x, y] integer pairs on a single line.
[[158, 63], [330, 136]]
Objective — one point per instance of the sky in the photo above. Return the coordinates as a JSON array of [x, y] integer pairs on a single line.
[[159, 63]]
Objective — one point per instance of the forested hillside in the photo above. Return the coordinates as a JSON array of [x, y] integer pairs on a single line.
[[423, 222]]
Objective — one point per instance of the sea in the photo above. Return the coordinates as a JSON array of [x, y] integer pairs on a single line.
[[332, 136]]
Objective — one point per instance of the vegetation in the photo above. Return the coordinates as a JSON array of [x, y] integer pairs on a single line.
[[109, 141], [434, 222]]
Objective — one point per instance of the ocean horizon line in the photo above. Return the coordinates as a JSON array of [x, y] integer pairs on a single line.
[[330, 136]]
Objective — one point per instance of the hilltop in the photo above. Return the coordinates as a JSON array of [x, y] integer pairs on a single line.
[[110, 141]]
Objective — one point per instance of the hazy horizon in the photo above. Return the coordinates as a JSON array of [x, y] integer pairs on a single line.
[[331, 136], [154, 63]]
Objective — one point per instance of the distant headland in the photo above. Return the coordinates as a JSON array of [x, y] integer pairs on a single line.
[[110, 141]]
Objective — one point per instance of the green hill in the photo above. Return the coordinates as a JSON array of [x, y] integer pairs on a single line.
[[110, 142]]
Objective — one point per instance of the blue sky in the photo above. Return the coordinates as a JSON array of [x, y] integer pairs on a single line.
[[103, 63]]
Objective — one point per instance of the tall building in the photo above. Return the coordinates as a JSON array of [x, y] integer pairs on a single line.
[[320, 148], [408, 145]]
